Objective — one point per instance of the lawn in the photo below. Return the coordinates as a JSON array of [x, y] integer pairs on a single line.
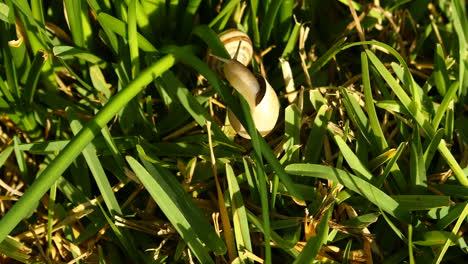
[[129, 133]]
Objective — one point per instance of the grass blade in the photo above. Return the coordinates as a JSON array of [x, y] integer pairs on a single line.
[[373, 119], [179, 209], [354, 183], [42, 183], [455, 229], [353, 161], [311, 249], [239, 214]]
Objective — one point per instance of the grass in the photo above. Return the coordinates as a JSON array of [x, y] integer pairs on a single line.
[[115, 146]]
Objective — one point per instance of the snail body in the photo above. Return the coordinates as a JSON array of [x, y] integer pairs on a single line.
[[261, 97]]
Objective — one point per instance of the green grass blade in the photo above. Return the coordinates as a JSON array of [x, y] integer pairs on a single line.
[[417, 165], [373, 119], [51, 216], [353, 161], [253, 23], [394, 228], [5, 154], [66, 52], [179, 209], [441, 77], [226, 11], [14, 249], [187, 18], [448, 97], [133, 37], [421, 202], [33, 77], [21, 161], [432, 147], [73, 8], [287, 246], [269, 20], [355, 184], [292, 41], [105, 188], [455, 230], [410, 244], [212, 40], [239, 214], [42, 183], [115, 25], [392, 167], [176, 89], [314, 144], [122, 238], [292, 131], [419, 117], [460, 23], [359, 119], [311, 249], [327, 56], [453, 214]]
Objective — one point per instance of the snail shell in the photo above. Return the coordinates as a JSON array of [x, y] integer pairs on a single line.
[[237, 44], [261, 97]]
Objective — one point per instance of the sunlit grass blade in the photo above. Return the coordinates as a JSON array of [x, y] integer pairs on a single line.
[[432, 147], [226, 11], [353, 161], [455, 230], [33, 77], [391, 167], [419, 117], [314, 144], [100, 176], [311, 249], [179, 209], [453, 214], [117, 26], [381, 159], [372, 114], [42, 183], [288, 49], [176, 89], [16, 250], [292, 131], [441, 77], [359, 119], [239, 215], [253, 6], [354, 183], [5, 154], [460, 23], [441, 110], [417, 165], [133, 37], [410, 244], [21, 160], [260, 175]]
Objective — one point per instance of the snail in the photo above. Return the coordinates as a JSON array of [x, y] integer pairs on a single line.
[[237, 44], [261, 97]]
